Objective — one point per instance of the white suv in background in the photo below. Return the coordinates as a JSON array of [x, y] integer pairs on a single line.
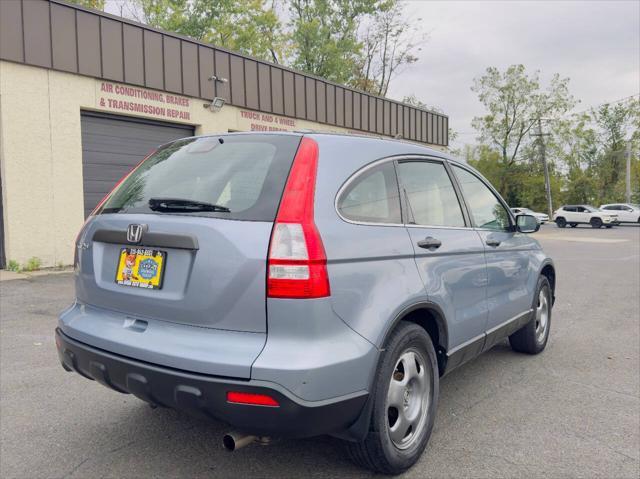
[[627, 212], [573, 215], [541, 217]]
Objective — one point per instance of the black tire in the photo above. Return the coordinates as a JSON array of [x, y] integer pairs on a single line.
[[573, 225], [609, 227], [378, 452], [596, 223], [527, 339], [561, 222]]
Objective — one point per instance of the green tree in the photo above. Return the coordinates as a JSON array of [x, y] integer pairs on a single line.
[[573, 144], [591, 149], [247, 26], [526, 179], [95, 4], [616, 124], [514, 101], [324, 35]]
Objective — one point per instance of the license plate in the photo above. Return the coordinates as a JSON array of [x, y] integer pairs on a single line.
[[141, 268]]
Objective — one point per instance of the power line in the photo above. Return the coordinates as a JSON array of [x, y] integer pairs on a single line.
[[467, 133], [601, 104]]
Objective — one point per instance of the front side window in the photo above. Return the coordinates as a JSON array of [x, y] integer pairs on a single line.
[[485, 208], [372, 197], [429, 194]]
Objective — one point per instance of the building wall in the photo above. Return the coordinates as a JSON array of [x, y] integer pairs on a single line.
[[41, 150], [69, 38]]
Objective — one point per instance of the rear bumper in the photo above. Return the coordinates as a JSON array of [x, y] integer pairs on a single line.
[[205, 395]]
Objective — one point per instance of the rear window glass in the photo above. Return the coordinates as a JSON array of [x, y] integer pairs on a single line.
[[243, 176]]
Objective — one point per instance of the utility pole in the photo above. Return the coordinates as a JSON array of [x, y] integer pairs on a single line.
[[543, 156], [627, 154]]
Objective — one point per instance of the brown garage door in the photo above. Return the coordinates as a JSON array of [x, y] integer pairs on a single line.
[[112, 145]]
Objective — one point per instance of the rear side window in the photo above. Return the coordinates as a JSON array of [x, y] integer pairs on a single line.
[[372, 197], [242, 175], [429, 194]]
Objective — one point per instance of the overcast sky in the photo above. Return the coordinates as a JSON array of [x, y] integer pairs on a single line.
[[594, 43]]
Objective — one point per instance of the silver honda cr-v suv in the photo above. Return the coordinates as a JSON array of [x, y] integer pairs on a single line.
[[302, 284]]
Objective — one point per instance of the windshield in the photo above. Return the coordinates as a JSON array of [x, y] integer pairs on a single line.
[[591, 209], [234, 177]]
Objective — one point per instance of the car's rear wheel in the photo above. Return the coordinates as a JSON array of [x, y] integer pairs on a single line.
[[596, 223], [573, 225], [561, 222], [532, 338], [405, 398]]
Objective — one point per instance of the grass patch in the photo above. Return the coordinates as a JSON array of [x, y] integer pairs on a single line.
[[14, 266], [33, 264]]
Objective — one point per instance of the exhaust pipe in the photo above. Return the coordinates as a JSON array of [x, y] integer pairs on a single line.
[[235, 440]]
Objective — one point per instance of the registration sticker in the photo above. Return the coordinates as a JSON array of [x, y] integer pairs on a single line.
[[141, 268]]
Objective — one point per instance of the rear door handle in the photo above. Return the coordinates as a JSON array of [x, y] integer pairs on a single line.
[[492, 242], [430, 243]]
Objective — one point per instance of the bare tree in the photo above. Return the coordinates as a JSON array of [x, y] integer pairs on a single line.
[[390, 42]]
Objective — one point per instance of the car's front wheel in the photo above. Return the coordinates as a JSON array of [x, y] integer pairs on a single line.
[[405, 397], [533, 337], [596, 223], [561, 222]]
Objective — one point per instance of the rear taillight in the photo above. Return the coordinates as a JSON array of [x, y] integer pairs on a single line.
[[297, 265]]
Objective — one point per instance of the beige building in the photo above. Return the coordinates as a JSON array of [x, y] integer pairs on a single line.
[[84, 96]]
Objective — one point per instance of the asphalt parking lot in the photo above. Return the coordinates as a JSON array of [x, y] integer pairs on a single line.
[[573, 411]]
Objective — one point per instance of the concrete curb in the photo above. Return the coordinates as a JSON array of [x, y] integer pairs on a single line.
[[6, 275]]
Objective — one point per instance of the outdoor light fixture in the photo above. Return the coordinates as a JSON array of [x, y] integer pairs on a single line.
[[216, 105], [217, 78]]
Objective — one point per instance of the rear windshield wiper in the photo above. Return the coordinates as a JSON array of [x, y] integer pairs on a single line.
[[184, 205]]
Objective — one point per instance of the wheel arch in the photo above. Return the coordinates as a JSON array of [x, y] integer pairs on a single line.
[[549, 271], [430, 317]]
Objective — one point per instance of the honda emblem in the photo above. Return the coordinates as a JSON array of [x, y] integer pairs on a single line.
[[134, 233]]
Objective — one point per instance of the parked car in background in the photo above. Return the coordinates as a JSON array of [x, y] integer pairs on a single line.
[[255, 279], [541, 217], [627, 212], [574, 215]]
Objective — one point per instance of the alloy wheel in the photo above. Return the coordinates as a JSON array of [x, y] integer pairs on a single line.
[[408, 399], [542, 316]]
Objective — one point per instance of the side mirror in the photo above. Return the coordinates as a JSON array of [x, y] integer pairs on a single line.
[[527, 224]]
